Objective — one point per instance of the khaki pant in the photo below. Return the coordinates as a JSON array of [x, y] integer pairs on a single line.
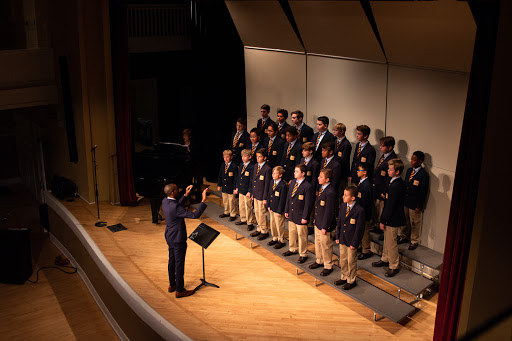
[[323, 248], [261, 216], [378, 206], [246, 211], [348, 263], [277, 226], [390, 250], [298, 237], [365, 242], [228, 200], [413, 226]]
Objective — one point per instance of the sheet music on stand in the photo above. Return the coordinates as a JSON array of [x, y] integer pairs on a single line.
[[204, 235]]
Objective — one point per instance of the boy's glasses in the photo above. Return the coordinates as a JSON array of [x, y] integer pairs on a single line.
[[360, 170]]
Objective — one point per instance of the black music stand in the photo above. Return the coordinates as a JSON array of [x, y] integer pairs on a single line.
[[204, 235]]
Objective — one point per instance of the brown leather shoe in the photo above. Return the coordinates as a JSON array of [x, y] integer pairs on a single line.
[[364, 256], [340, 282], [325, 272], [241, 223], [255, 234], [380, 264], [232, 218], [391, 272], [262, 236], [302, 259], [272, 242], [250, 227], [279, 245], [289, 253], [349, 286], [315, 265], [223, 215], [184, 293], [172, 288]]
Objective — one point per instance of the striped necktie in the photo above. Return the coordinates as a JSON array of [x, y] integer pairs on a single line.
[[258, 169], [380, 161], [274, 187], [225, 168], [321, 190], [236, 139], [317, 140], [305, 162], [252, 150], [325, 163], [348, 211], [412, 175], [295, 188], [270, 145], [288, 151], [337, 143], [243, 169], [358, 150]]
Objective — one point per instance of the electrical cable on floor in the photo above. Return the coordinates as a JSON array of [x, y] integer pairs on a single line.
[[61, 263]]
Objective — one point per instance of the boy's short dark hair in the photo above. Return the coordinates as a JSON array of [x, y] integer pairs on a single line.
[[284, 112], [397, 164], [420, 155], [363, 128], [256, 130], [388, 141], [327, 173], [329, 145], [302, 167], [299, 114], [308, 146], [364, 166], [265, 107], [352, 190], [273, 125], [324, 120], [292, 130], [242, 120], [262, 151]]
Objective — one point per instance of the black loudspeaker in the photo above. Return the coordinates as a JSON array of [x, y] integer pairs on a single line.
[[68, 108], [44, 221], [15, 255]]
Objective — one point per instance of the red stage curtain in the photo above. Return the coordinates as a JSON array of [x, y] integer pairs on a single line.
[[121, 75], [465, 189]]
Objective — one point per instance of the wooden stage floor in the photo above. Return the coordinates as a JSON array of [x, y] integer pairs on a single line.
[[260, 296]]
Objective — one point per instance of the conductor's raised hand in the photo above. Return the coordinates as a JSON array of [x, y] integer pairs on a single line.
[[204, 194], [187, 190]]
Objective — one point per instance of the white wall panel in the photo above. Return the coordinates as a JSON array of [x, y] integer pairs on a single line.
[[275, 78]]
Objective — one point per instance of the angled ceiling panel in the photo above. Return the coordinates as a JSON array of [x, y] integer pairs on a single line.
[[263, 24], [433, 34], [337, 28]]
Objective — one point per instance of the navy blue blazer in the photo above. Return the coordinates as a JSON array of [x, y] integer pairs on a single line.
[[312, 172], [365, 198], [305, 134], [244, 141], [226, 180], [253, 155], [175, 214], [327, 137], [276, 150], [244, 178], [300, 205], [350, 229], [263, 127], [277, 197], [367, 155], [289, 162], [282, 130], [381, 177], [417, 189], [393, 212], [342, 153], [325, 207], [261, 181], [336, 171]]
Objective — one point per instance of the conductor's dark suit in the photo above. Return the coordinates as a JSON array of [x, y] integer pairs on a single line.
[[176, 237]]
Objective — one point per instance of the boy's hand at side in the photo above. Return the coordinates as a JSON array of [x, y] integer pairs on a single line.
[[204, 194]]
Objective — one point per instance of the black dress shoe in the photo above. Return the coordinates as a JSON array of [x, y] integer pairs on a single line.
[[224, 215], [289, 253], [302, 259], [364, 256], [241, 223], [349, 286], [400, 240], [391, 272], [250, 227], [279, 245], [255, 234], [325, 272], [413, 246], [340, 282], [232, 218], [272, 242], [315, 265], [380, 263], [381, 237], [262, 236]]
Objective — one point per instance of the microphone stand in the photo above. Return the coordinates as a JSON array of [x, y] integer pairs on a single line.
[[99, 223]]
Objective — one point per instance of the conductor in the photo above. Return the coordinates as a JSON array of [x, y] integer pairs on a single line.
[[176, 235]]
